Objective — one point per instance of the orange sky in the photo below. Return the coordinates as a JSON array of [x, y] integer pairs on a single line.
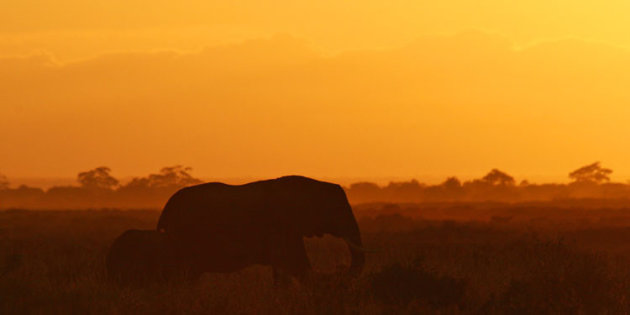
[[336, 89]]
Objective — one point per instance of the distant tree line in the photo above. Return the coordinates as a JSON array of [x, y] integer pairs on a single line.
[[97, 188], [591, 181]]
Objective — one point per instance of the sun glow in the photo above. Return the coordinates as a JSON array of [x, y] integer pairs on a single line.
[[333, 89]]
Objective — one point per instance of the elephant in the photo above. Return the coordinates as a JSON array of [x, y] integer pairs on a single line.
[[138, 256], [216, 227]]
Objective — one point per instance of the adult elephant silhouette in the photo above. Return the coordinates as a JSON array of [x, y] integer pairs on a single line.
[[216, 227]]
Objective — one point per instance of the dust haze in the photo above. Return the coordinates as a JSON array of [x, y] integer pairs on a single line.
[[314, 157]]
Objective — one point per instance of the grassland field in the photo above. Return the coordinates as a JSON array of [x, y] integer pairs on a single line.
[[564, 257]]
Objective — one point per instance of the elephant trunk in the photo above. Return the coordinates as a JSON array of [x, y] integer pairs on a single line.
[[357, 253], [358, 261]]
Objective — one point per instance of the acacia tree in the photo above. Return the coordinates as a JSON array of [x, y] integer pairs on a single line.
[[98, 178], [4, 182], [452, 183], [169, 177], [592, 173], [498, 178], [177, 175]]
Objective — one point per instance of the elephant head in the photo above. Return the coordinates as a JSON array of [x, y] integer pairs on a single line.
[[314, 208]]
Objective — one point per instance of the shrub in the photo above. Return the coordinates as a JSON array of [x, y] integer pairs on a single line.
[[402, 284], [558, 280]]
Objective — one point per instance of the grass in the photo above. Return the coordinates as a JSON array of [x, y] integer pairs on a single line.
[[52, 262]]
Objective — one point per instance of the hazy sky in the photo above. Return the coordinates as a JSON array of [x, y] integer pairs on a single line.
[[323, 88], [76, 28]]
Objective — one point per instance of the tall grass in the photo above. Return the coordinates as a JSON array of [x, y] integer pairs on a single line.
[[53, 263]]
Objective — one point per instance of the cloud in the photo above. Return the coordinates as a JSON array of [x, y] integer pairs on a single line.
[[453, 104]]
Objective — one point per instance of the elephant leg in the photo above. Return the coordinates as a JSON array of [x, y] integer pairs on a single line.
[[292, 260], [186, 269], [280, 277]]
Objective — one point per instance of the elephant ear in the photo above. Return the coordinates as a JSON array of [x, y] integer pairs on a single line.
[[325, 205], [307, 206]]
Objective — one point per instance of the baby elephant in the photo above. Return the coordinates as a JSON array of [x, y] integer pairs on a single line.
[[138, 257]]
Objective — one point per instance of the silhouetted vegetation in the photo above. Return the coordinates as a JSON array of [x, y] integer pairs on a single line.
[[97, 188], [4, 182], [399, 285], [98, 178], [588, 182], [54, 262], [592, 173]]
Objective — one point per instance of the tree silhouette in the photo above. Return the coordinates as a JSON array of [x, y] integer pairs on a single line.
[[4, 182], [452, 183], [498, 178], [171, 176], [592, 173], [365, 187], [98, 178]]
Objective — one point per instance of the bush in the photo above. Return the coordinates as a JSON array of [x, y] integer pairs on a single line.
[[559, 280], [402, 284]]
